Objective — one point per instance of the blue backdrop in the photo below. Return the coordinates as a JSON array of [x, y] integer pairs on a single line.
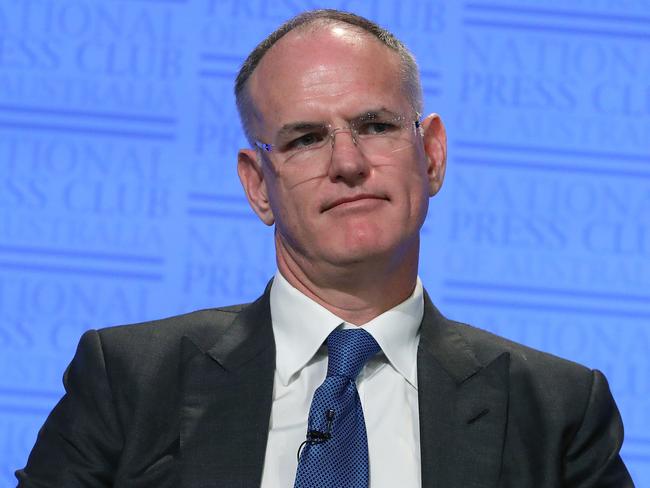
[[119, 197]]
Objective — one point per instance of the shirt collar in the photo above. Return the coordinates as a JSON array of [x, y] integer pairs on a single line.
[[301, 326]]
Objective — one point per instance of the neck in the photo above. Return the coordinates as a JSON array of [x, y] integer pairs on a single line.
[[356, 292]]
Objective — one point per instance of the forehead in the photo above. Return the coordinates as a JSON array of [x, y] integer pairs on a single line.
[[324, 72]]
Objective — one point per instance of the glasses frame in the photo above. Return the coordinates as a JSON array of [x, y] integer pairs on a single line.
[[332, 131]]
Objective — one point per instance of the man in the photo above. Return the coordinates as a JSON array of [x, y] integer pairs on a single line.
[[343, 166]]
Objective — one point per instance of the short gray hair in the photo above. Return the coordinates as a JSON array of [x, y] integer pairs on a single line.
[[409, 68]]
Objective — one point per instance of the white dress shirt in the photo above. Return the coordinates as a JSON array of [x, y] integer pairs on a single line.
[[387, 386]]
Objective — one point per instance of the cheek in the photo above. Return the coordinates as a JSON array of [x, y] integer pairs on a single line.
[[291, 210], [421, 202], [410, 189]]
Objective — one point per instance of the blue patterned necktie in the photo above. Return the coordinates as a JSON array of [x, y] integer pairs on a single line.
[[335, 454]]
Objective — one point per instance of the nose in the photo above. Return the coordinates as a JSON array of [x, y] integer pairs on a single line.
[[347, 164]]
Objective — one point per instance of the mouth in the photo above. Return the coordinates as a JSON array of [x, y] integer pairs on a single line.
[[355, 198]]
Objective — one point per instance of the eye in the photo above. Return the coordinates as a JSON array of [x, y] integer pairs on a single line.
[[306, 141], [376, 128]]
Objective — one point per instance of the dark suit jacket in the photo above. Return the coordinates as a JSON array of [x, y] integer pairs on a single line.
[[185, 402]]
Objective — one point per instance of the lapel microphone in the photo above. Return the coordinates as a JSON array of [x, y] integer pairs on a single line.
[[317, 436]]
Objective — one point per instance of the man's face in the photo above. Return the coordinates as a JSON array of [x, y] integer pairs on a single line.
[[349, 206]]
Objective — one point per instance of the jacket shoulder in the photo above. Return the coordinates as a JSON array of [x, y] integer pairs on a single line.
[[557, 409], [536, 369], [487, 346], [155, 334], [537, 378], [144, 356]]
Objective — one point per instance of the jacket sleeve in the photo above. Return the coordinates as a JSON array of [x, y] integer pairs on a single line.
[[80, 442], [592, 459]]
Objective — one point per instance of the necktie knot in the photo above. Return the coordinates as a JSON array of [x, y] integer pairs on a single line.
[[348, 350]]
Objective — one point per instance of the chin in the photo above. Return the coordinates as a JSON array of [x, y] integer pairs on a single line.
[[360, 250]]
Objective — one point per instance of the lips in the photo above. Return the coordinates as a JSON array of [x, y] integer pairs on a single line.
[[341, 201]]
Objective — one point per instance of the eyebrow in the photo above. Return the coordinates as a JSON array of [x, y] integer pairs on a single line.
[[306, 126], [374, 113], [301, 126]]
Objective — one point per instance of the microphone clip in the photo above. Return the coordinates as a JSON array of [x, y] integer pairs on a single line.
[[316, 436]]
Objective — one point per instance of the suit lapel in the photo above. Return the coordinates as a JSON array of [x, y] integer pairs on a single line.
[[462, 405], [227, 389]]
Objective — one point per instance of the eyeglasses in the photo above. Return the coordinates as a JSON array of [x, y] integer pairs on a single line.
[[376, 134]]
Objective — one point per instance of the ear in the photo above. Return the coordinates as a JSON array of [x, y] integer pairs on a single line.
[[252, 179], [435, 148]]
